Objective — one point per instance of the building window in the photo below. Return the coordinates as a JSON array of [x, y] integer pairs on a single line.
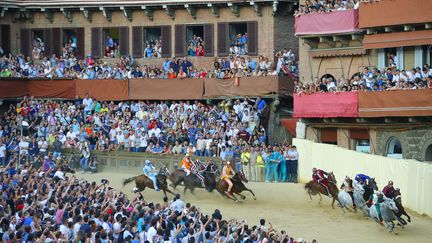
[[111, 39], [391, 57], [394, 148], [195, 40], [363, 146], [38, 44], [238, 33], [428, 155], [152, 42]]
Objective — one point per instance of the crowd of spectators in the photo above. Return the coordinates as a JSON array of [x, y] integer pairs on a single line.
[[38, 48], [325, 6], [112, 48], [239, 45], [231, 129], [52, 206], [153, 48], [196, 47], [68, 66], [372, 79]]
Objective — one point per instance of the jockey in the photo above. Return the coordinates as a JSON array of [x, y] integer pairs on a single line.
[[227, 174], [198, 168], [376, 199], [389, 190], [361, 178], [320, 176], [348, 187], [150, 171], [186, 164]]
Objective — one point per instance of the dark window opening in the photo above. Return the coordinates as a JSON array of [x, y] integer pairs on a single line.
[[428, 155], [390, 57], [152, 42], [111, 38], [38, 44], [195, 40], [394, 148], [238, 38]]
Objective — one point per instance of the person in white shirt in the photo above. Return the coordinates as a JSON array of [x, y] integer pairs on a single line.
[[59, 174], [177, 204], [43, 145], [88, 105], [23, 146], [2, 153], [151, 232]]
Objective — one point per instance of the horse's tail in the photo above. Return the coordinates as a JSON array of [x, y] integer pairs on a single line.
[[128, 180]]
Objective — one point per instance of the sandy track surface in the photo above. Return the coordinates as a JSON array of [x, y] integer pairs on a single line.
[[287, 207]]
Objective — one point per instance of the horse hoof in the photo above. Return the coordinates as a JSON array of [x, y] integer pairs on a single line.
[[254, 198]]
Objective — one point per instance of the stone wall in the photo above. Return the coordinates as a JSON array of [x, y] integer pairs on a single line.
[[284, 30], [414, 142]]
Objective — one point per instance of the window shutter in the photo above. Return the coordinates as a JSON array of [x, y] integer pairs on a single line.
[[124, 40], [5, 38], [80, 43], [328, 135], [180, 40], [137, 41], [48, 42], [166, 40], [96, 42], [222, 42], [252, 29], [25, 42], [57, 41], [208, 40]]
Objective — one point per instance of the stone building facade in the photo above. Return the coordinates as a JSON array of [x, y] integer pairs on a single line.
[[269, 25]]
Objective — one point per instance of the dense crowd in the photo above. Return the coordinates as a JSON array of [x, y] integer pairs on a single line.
[[372, 79], [231, 130], [153, 48], [51, 206], [68, 66], [196, 46], [325, 6], [239, 45]]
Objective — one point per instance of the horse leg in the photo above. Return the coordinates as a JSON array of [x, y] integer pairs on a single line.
[[319, 202], [243, 197], [310, 195], [253, 194], [405, 213]]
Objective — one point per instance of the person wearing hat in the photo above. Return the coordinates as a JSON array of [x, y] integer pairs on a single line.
[[376, 199], [186, 164], [227, 174], [389, 190], [150, 171]]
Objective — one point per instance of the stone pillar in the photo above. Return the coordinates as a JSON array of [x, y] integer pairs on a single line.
[[343, 138], [381, 58], [400, 57], [373, 141], [312, 134], [418, 56]]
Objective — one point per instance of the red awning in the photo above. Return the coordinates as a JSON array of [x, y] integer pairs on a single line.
[[397, 39], [290, 124]]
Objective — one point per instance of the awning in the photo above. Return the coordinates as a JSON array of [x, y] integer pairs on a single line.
[[337, 52], [397, 39], [290, 124]]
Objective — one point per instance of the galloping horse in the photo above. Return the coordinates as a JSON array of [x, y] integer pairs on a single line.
[[313, 188], [369, 188], [142, 181], [237, 188], [401, 210], [192, 181], [387, 208]]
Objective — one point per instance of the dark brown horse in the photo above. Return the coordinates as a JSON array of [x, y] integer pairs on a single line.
[[401, 210], [314, 188], [192, 181], [142, 181], [238, 187]]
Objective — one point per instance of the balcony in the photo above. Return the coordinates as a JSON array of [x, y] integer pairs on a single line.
[[327, 23]]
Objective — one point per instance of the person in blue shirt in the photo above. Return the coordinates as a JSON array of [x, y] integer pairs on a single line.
[[148, 51], [186, 64], [362, 178], [157, 149], [150, 171], [91, 73], [272, 165], [261, 104], [137, 73], [192, 131], [109, 42], [166, 65]]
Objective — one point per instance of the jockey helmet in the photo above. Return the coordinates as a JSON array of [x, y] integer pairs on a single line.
[[390, 183], [147, 162], [314, 169]]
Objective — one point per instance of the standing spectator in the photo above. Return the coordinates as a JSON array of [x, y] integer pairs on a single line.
[[245, 159], [85, 154], [57, 147]]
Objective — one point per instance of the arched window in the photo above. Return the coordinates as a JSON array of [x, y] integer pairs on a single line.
[[394, 148], [428, 154], [327, 75]]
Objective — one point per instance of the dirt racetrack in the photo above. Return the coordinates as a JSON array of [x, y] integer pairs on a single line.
[[288, 208]]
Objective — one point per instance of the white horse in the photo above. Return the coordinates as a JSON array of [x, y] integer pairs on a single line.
[[387, 208], [359, 200], [345, 201]]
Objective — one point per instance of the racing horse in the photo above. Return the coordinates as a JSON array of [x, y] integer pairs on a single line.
[[238, 186], [345, 199], [142, 181], [401, 210], [387, 208], [314, 188], [369, 188], [192, 181]]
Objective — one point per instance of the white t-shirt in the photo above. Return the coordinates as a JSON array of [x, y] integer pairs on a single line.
[[43, 145], [77, 227], [116, 227], [178, 205], [88, 104], [59, 174], [151, 234], [2, 150], [24, 146]]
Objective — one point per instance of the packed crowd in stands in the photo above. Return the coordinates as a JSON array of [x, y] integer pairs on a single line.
[[153, 48], [372, 79], [51, 206], [196, 47], [38, 48], [240, 45], [325, 6], [112, 48], [68, 66], [232, 130]]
